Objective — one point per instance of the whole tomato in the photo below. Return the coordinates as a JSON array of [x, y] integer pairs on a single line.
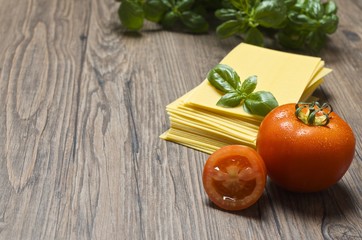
[[308, 150]]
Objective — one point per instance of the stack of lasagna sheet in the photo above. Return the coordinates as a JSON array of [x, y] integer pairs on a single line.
[[196, 121]]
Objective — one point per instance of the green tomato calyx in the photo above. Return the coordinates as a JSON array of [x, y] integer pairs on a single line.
[[313, 113]]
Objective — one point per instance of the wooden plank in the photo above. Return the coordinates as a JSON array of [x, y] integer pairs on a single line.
[[41, 60], [343, 88], [84, 104]]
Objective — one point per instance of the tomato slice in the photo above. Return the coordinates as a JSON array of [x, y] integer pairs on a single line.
[[234, 177]]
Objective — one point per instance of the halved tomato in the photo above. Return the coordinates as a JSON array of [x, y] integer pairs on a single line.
[[234, 177]]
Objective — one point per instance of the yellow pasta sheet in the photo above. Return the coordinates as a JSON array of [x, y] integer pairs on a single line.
[[196, 121], [285, 75]]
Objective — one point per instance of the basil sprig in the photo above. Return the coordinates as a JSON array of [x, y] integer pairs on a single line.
[[293, 24], [171, 14], [226, 80]]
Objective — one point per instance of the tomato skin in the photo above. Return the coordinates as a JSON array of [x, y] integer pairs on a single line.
[[304, 158], [238, 194]]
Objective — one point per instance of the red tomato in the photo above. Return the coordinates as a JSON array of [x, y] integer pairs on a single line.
[[234, 177], [301, 157]]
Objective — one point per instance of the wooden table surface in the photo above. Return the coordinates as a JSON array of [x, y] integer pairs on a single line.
[[83, 105]]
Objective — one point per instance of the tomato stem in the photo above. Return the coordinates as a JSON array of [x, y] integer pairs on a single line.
[[313, 113]]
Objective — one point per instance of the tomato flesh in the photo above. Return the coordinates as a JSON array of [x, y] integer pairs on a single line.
[[234, 177]]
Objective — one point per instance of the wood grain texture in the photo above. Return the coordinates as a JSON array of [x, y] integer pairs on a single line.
[[83, 103]]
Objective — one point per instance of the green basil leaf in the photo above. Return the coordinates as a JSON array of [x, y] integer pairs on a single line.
[[270, 13], [260, 103], [314, 9], [169, 19], [329, 24], [225, 14], [330, 8], [249, 85], [303, 21], [131, 14], [194, 22], [255, 37], [184, 5], [224, 78], [154, 10], [229, 100], [289, 3], [300, 5], [240, 4], [316, 41], [169, 3], [230, 28], [244, 5]]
